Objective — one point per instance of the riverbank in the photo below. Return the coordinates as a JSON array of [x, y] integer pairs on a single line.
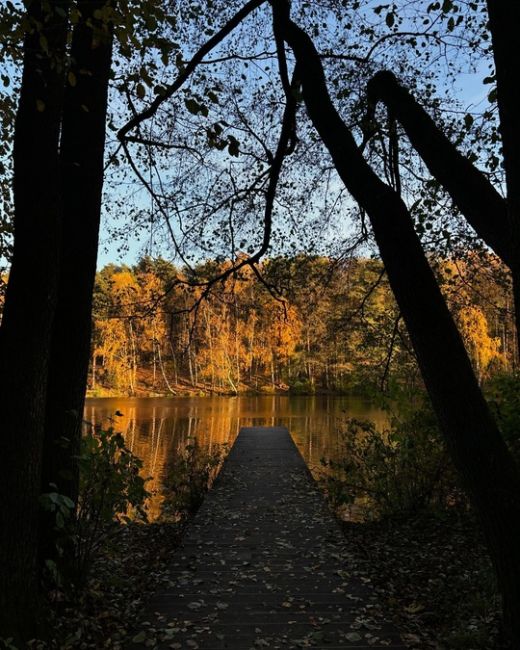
[[147, 384], [204, 391]]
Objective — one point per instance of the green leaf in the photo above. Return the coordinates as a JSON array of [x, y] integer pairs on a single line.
[[60, 520], [68, 502], [139, 638], [44, 44]]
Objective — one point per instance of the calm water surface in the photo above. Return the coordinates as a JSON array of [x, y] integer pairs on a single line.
[[156, 428]]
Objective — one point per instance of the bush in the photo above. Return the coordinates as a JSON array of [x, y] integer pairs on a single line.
[[302, 387], [190, 478], [111, 492], [503, 393], [402, 469]]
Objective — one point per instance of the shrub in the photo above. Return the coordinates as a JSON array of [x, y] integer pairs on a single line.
[[191, 476], [111, 492], [302, 387], [401, 469], [503, 393]]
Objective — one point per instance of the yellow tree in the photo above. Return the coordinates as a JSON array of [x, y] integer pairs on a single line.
[[482, 348]]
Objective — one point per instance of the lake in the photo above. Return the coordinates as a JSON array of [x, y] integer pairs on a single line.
[[156, 428]]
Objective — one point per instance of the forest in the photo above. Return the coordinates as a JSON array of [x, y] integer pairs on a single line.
[[285, 197], [316, 325]]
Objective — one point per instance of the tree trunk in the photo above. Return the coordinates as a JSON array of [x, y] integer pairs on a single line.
[[81, 158], [163, 371], [504, 18], [470, 190], [210, 345], [475, 444], [134, 356], [28, 314]]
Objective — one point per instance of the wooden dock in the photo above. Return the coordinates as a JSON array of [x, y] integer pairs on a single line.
[[264, 564]]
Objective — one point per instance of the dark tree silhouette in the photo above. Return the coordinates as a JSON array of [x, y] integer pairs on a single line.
[[45, 333], [26, 331]]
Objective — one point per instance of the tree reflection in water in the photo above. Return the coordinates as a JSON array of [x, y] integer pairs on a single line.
[[156, 429]]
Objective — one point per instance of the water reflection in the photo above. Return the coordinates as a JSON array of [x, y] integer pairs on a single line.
[[156, 428]]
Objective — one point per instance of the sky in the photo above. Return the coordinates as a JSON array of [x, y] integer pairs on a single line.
[[472, 93], [469, 89]]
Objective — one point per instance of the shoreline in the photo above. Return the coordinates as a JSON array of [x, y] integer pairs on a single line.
[[250, 393], [107, 393]]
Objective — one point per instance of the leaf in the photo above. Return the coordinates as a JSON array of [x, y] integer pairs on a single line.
[[192, 105], [40, 105], [233, 146], [44, 44], [353, 637], [71, 77], [140, 90], [139, 638], [390, 19], [492, 96], [414, 608]]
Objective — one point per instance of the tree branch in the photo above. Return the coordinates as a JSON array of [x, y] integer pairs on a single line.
[[470, 190], [190, 67]]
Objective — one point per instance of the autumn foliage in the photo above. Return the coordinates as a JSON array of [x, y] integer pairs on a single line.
[[317, 324]]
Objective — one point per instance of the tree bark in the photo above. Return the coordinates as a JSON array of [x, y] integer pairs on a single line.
[[28, 312], [472, 437], [504, 18], [81, 159]]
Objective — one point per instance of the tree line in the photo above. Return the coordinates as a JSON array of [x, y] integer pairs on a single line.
[[313, 324]]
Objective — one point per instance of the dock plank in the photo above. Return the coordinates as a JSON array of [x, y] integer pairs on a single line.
[[264, 564]]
